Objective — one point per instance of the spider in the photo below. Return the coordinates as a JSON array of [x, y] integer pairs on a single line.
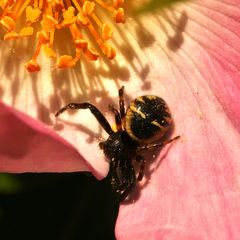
[[145, 121]]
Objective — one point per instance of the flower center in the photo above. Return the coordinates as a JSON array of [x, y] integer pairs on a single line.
[[76, 15]]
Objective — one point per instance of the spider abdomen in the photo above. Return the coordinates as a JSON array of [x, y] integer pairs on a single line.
[[147, 119]]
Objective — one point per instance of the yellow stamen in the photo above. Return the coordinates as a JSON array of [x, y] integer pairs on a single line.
[[32, 14], [119, 15], [106, 32], [117, 3], [11, 35], [32, 66], [65, 61], [76, 15], [88, 8], [8, 23], [26, 32]]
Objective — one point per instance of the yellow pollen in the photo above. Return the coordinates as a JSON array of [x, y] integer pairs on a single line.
[[43, 17]]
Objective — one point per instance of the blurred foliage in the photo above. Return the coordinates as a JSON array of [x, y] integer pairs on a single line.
[[153, 5], [66, 206], [9, 184]]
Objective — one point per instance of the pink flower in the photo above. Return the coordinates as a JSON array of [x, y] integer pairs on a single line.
[[189, 55]]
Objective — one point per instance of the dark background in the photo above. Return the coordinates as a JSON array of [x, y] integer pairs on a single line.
[[59, 206]]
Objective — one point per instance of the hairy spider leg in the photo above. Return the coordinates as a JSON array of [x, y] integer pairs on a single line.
[[130, 180], [161, 144], [121, 104], [123, 178], [97, 114], [117, 116], [114, 176], [142, 161]]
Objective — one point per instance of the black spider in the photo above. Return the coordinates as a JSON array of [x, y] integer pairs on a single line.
[[146, 120]]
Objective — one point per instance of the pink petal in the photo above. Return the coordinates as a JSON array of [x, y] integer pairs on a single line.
[[191, 190], [27, 145]]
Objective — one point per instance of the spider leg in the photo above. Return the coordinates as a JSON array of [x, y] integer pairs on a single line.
[[124, 193], [141, 161], [97, 114], [123, 177], [129, 183], [117, 116], [114, 174], [121, 103], [161, 144]]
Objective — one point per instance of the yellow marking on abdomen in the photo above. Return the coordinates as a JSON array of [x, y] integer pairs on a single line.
[[134, 109], [140, 99], [156, 124]]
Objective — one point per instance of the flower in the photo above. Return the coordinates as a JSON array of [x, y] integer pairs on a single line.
[[76, 15], [189, 55]]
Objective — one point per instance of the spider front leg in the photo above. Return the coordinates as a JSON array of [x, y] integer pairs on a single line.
[[97, 114]]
